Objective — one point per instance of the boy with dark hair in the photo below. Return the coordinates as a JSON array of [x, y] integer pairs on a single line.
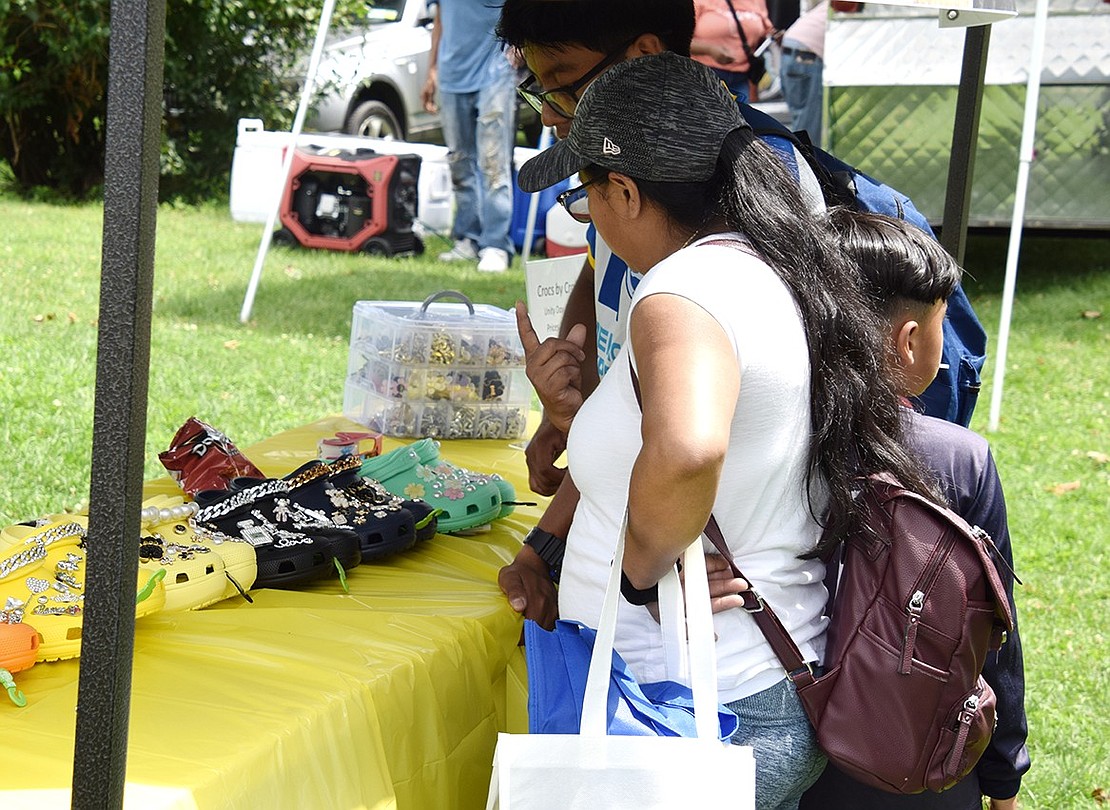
[[909, 277]]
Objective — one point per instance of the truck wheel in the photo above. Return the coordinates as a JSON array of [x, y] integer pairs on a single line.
[[374, 119]]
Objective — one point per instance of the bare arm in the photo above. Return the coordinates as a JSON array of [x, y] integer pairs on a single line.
[[580, 309], [428, 93], [689, 379]]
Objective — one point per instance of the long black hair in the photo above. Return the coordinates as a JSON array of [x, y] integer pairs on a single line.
[[854, 405]]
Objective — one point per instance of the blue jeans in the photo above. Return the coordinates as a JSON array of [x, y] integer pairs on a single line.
[[801, 87], [787, 759], [735, 81], [478, 128]]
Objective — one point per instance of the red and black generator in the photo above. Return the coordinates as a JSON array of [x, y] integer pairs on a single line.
[[341, 199]]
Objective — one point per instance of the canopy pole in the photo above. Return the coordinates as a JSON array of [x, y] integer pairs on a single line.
[[965, 137], [1025, 160], [132, 146], [287, 160]]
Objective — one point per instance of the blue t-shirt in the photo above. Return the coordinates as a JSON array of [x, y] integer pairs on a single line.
[[470, 56]]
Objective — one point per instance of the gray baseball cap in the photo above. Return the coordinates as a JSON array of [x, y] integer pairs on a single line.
[[661, 117]]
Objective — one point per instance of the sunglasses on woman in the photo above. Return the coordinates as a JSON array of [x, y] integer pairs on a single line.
[[564, 100], [576, 201]]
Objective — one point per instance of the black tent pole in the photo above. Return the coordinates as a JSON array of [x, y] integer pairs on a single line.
[[133, 137], [965, 137]]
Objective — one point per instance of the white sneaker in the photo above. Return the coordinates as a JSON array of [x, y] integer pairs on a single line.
[[493, 260], [462, 251]]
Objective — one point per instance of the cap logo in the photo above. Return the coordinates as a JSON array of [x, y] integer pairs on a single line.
[[609, 148]]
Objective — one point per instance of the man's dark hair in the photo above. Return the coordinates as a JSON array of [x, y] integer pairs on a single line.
[[898, 262], [600, 25]]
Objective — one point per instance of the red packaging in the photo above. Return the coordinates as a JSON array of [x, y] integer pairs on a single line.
[[201, 457]]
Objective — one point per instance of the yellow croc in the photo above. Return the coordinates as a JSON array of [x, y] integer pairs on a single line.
[[42, 581], [169, 516], [42, 577]]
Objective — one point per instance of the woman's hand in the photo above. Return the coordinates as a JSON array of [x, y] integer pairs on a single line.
[[724, 588], [526, 583]]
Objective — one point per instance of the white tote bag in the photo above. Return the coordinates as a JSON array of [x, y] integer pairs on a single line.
[[595, 771]]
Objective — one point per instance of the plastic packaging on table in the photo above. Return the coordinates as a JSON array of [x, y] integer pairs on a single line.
[[445, 370]]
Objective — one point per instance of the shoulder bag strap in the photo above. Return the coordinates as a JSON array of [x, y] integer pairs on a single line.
[[778, 637], [743, 37]]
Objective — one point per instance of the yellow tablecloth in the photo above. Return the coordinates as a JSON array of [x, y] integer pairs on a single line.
[[389, 696]]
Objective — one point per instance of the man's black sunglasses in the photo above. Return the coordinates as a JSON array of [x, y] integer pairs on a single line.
[[564, 100]]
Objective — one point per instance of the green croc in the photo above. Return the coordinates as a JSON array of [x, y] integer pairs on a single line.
[[464, 503], [428, 451]]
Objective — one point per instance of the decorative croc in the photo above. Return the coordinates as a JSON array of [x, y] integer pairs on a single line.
[[287, 556], [384, 529], [428, 452], [463, 503], [192, 576], [19, 645], [42, 581], [283, 511], [346, 484], [168, 516]]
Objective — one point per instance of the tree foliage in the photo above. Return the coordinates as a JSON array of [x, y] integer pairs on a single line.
[[224, 59]]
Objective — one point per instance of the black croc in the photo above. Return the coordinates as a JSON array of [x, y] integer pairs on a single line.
[[289, 551], [384, 528], [346, 477]]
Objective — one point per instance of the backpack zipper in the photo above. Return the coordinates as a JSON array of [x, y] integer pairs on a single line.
[[916, 605], [963, 724]]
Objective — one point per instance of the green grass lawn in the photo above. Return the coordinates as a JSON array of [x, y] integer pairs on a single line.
[[287, 367]]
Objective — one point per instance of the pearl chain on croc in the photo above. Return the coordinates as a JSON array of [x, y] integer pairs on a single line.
[[464, 503], [193, 575], [168, 516], [42, 580]]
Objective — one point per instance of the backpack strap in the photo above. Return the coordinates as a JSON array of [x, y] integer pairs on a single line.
[[777, 636], [838, 188]]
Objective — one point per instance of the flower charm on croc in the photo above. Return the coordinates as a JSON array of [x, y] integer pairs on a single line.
[[464, 503]]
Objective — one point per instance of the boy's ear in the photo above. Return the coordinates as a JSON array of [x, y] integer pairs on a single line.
[[905, 337]]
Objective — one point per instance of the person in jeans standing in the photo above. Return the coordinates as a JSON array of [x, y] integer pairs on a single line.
[[803, 50], [477, 104]]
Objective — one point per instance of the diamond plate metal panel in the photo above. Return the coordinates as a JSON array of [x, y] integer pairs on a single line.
[[885, 46], [903, 135]]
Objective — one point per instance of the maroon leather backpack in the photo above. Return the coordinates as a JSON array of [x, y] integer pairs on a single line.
[[901, 705]]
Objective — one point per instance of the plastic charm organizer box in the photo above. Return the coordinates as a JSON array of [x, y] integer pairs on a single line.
[[447, 370]]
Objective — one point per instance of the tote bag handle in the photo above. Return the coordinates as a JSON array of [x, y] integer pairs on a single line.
[[700, 641]]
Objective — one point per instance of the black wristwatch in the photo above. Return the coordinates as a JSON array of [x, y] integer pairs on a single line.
[[549, 548]]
